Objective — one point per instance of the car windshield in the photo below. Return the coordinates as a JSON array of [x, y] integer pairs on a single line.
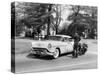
[[57, 38]]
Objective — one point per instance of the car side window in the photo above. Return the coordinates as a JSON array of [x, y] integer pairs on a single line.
[[65, 39], [70, 39], [62, 39]]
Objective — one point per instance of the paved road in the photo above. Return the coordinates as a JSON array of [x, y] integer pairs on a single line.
[[27, 63]]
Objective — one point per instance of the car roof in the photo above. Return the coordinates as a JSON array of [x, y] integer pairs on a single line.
[[67, 36]]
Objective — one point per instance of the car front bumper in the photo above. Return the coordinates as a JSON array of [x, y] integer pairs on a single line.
[[41, 51]]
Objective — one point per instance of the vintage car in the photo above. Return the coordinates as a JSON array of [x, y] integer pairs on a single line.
[[53, 46]]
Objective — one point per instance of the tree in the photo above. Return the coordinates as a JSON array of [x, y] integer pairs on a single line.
[[73, 27], [32, 15], [84, 17], [56, 18], [49, 19]]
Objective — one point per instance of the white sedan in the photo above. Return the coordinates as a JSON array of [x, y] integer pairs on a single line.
[[53, 46]]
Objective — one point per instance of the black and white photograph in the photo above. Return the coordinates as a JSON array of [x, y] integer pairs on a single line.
[[48, 37]]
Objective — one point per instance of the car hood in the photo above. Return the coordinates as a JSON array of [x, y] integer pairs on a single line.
[[45, 43]]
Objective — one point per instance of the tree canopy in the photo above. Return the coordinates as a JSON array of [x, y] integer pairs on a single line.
[[83, 17], [39, 15], [30, 14]]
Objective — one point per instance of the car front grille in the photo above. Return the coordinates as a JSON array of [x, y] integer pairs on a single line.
[[39, 49]]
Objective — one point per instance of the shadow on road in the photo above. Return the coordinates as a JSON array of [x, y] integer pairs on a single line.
[[39, 57], [47, 57]]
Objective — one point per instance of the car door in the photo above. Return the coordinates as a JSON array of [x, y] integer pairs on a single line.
[[67, 44], [64, 45], [70, 43]]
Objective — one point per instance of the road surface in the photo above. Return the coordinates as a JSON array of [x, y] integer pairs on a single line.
[[27, 63]]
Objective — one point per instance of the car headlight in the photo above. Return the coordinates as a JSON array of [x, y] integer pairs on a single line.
[[49, 46]]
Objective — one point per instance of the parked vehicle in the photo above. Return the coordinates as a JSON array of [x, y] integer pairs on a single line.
[[53, 46]]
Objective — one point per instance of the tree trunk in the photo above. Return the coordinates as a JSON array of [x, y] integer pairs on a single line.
[[48, 27], [56, 30]]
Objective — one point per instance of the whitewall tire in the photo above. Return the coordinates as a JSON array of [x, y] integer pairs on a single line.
[[56, 54]]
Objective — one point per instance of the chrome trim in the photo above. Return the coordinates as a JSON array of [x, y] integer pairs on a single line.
[[41, 49]]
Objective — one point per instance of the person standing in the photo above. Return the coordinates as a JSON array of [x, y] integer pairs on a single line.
[[76, 44]]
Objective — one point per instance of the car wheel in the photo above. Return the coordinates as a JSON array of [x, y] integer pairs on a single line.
[[80, 53], [84, 51], [56, 54]]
